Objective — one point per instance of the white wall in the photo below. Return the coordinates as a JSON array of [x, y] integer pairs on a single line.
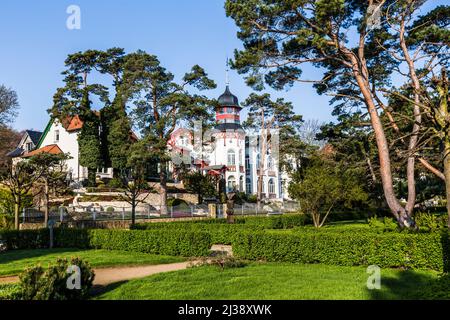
[[68, 143]]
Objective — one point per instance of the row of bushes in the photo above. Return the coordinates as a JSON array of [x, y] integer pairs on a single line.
[[285, 221], [176, 243], [223, 233], [220, 233], [389, 250]]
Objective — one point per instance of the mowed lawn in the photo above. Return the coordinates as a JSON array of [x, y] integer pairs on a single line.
[[15, 261], [274, 281]]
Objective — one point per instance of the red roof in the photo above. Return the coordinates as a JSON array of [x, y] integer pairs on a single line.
[[50, 149], [73, 123]]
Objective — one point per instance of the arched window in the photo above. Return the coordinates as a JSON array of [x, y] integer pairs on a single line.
[[270, 163], [258, 161], [248, 185], [241, 162], [271, 186], [231, 185], [231, 158]]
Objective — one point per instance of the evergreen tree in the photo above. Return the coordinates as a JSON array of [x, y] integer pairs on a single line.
[[162, 104], [357, 56]]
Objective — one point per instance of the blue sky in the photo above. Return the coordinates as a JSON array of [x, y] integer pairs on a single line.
[[35, 43]]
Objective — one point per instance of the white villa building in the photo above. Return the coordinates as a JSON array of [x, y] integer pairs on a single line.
[[231, 151]]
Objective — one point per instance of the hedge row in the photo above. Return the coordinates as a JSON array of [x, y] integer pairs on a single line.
[[25, 239], [223, 233], [389, 250], [286, 221], [220, 233], [176, 243]]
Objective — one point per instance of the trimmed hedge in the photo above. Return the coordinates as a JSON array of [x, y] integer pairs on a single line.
[[25, 239], [175, 243], [223, 233], [388, 250], [220, 233]]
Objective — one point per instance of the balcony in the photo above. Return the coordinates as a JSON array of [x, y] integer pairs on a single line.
[[231, 168]]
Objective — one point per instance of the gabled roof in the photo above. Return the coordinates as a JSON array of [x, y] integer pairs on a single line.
[[50, 149], [34, 136], [72, 123], [16, 153]]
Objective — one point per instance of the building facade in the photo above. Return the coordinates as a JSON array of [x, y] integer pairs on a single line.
[[228, 148]]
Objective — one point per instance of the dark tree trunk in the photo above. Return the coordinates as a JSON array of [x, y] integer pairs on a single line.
[[163, 188], [46, 205]]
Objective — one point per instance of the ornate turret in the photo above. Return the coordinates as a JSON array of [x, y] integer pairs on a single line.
[[228, 112]]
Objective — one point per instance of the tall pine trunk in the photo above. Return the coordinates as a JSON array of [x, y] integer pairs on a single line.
[[46, 205], [447, 175], [163, 188], [17, 202], [393, 203]]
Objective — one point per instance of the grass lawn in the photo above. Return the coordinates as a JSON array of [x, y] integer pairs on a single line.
[[273, 281], [14, 262]]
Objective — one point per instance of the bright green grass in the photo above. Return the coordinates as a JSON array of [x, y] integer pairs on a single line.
[[273, 281], [16, 261]]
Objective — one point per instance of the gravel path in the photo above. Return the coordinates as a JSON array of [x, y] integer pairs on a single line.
[[105, 276]]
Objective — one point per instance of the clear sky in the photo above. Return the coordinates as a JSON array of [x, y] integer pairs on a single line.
[[35, 42]]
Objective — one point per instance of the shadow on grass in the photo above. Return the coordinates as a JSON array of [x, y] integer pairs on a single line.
[[415, 285], [411, 285], [14, 255], [98, 290]]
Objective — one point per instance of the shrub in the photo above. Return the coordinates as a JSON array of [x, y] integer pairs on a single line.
[[110, 210], [51, 284], [220, 233], [9, 292], [25, 239], [176, 243], [384, 225], [223, 233], [417, 251], [223, 261], [115, 183], [6, 221], [428, 222]]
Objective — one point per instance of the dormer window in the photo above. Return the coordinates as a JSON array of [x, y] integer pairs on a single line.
[[56, 136], [29, 146]]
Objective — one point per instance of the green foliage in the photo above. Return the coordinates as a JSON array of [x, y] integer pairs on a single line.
[[222, 261], [37, 283], [384, 225], [110, 210], [345, 247], [428, 222], [176, 243], [25, 239], [115, 183], [200, 184], [9, 292], [223, 233], [324, 185]]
